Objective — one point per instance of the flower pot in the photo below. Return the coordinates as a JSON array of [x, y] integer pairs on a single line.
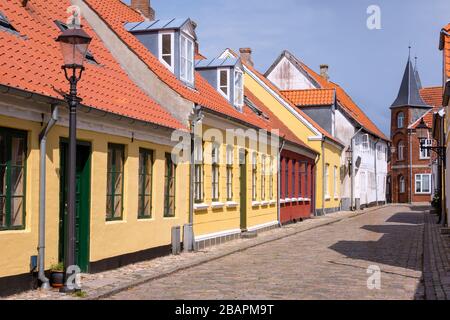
[[57, 279]]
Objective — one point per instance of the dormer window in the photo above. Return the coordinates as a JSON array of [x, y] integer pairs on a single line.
[[187, 59], [4, 22], [166, 54], [224, 82], [238, 88]]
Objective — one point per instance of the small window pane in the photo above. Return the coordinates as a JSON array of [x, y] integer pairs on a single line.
[[2, 211], [17, 151], [17, 212], [17, 181]]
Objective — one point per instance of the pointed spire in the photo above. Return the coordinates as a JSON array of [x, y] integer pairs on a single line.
[[408, 94]]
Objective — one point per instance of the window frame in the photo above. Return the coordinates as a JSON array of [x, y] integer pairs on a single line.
[[254, 176], [365, 143], [230, 161], [199, 174], [286, 177], [238, 89], [335, 182], [400, 151], [263, 177], [122, 149], [400, 116], [219, 82], [271, 175], [215, 172], [326, 180], [401, 185], [427, 152], [172, 54], [167, 196], [422, 175], [9, 134], [293, 180], [147, 153], [185, 51]]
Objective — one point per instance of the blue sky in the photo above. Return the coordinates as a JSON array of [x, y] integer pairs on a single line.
[[369, 64]]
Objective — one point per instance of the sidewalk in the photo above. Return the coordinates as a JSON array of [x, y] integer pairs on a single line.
[[101, 285]]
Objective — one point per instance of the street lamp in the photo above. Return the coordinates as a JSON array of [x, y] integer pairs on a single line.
[[349, 158], [422, 132], [74, 45]]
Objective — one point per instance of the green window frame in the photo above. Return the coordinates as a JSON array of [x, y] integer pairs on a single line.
[[215, 174], [115, 182], [199, 193], [169, 187], [145, 181], [13, 154]]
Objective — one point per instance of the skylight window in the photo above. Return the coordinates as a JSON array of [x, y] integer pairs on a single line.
[[224, 82], [238, 88], [62, 26], [166, 54], [187, 60], [4, 22]]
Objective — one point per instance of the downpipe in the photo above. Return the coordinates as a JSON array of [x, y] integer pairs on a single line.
[[45, 283], [352, 176], [279, 183]]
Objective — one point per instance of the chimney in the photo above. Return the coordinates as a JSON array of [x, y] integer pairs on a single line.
[[324, 71], [246, 55], [144, 7]]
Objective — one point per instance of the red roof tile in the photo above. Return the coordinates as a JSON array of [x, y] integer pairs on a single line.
[[31, 61], [347, 103], [311, 97], [427, 117], [446, 48], [432, 96]]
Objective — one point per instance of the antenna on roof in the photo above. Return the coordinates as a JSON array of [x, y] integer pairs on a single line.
[[409, 50], [415, 63]]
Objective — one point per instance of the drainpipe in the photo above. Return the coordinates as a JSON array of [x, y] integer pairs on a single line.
[[352, 176], [376, 172], [42, 184], [283, 142], [323, 175], [410, 167], [314, 177], [189, 239]]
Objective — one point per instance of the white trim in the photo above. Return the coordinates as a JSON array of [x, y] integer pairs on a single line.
[[201, 206], [307, 199], [231, 204], [219, 70], [172, 39], [282, 201], [421, 183], [264, 203], [264, 225], [256, 203], [217, 205], [217, 234], [240, 104], [187, 59]]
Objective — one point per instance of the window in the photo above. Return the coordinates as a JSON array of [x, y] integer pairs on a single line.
[[223, 82], [254, 178], [365, 143], [380, 152], [4, 22], [13, 146], [326, 180], [215, 172], [425, 153], [230, 173], [238, 88], [401, 184], [301, 173], [169, 187], [400, 120], [114, 193], [145, 183], [293, 180], [423, 183], [166, 49], [286, 178], [271, 178], [335, 180], [263, 177], [187, 60], [199, 193], [401, 151]]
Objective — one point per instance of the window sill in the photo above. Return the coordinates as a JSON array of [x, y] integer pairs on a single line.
[[256, 203], [282, 201], [336, 197], [115, 221], [217, 205], [272, 202], [327, 198], [145, 219], [287, 200], [232, 204], [307, 199], [201, 206], [264, 203]]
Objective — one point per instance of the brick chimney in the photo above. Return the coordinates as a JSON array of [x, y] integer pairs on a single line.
[[324, 71], [246, 55], [144, 7]]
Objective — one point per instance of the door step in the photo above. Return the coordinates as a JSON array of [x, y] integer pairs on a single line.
[[249, 235]]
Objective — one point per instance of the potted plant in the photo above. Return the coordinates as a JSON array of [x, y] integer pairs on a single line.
[[57, 275]]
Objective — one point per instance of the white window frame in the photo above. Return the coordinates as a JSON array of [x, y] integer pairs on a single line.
[[186, 56], [160, 53], [400, 115], [238, 89], [326, 181], [425, 154], [365, 143], [419, 178], [230, 163], [219, 86]]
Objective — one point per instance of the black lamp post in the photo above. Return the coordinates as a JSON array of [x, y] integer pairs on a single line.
[[422, 132], [74, 45]]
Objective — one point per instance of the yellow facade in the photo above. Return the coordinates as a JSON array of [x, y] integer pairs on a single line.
[[331, 153], [107, 239]]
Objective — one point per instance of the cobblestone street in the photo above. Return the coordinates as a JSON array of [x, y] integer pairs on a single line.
[[326, 263]]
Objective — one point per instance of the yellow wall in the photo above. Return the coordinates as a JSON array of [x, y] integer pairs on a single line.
[[107, 239], [209, 220], [332, 153]]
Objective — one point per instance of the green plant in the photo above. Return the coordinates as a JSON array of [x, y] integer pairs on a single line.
[[58, 267], [436, 202], [80, 294]]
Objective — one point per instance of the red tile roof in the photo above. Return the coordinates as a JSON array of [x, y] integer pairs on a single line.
[[432, 96], [31, 61], [427, 117], [275, 122], [311, 97], [347, 103], [115, 14], [446, 47]]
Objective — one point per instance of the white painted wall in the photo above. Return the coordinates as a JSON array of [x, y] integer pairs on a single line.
[[287, 77]]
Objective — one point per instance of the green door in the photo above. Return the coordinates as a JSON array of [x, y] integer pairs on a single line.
[[243, 188], [83, 180]]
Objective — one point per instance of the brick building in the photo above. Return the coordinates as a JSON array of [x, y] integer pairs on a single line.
[[412, 170]]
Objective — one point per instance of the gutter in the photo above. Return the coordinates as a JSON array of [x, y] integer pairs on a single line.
[[352, 176], [283, 142], [42, 185], [411, 185], [376, 171], [323, 175]]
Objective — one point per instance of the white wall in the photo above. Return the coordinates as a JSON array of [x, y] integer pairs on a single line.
[[287, 77]]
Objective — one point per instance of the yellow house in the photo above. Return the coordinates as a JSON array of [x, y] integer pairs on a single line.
[[328, 168]]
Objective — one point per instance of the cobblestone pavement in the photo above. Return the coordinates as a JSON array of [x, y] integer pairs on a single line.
[[330, 262]]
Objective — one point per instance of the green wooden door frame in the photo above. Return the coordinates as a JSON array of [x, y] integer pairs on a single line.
[[243, 188], [83, 202]]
